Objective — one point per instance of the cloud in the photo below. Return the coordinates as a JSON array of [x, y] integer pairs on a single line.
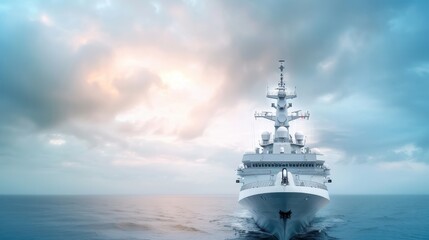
[[407, 165], [46, 82], [408, 150]]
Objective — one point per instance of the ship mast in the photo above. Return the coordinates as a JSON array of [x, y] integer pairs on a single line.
[[281, 117]]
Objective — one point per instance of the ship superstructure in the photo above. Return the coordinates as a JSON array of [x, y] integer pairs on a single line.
[[283, 181]]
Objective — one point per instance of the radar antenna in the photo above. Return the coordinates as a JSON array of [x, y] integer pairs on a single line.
[[281, 83]]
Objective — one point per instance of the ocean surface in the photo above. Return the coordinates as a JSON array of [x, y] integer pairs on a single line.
[[201, 217]]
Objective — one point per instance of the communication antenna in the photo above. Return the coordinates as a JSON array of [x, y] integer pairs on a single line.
[[281, 83]]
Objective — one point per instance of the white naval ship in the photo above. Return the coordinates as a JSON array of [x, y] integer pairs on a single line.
[[283, 181]]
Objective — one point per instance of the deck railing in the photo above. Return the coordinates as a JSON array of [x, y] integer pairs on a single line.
[[257, 184], [298, 183], [306, 183]]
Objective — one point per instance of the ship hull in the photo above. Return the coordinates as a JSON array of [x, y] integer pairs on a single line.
[[266, 206]]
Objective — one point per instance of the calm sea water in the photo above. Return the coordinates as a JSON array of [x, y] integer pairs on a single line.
[[201, 217]]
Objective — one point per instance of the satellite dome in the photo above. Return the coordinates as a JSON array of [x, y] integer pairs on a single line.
[[282, 132], [316, 151], [299, 136], [265, 136]]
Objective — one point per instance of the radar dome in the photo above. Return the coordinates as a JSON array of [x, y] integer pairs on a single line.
[[265, 136], [282, 132]]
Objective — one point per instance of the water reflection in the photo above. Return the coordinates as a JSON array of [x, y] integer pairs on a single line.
[[131, 217]]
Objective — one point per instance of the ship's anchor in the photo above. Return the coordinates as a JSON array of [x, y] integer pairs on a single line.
[[285, 216]]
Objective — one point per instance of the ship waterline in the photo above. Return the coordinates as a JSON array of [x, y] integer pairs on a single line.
[[283, 182]]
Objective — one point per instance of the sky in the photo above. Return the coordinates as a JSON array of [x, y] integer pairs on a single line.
[[158, 97]]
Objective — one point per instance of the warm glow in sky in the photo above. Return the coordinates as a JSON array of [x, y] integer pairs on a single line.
[[158, 96]]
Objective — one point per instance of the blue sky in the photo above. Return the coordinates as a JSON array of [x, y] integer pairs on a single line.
[[157, 97]]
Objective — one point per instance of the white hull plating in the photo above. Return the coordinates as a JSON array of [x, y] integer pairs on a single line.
[[266, 203]]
